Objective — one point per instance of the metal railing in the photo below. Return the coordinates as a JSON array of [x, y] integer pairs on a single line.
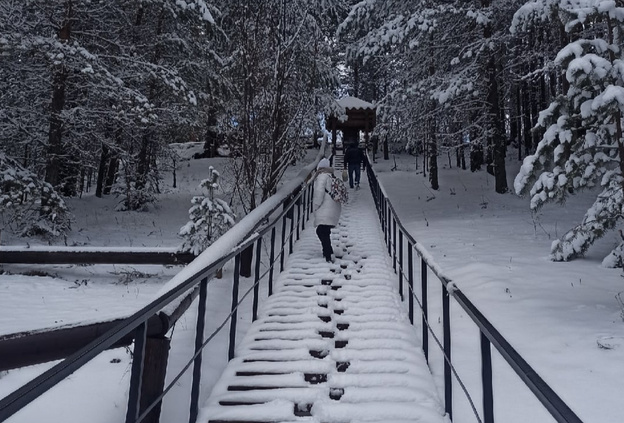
[[289, 215], [395, 237]]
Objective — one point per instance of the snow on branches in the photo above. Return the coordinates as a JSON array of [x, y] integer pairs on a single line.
[[396, 28], [583, 142]]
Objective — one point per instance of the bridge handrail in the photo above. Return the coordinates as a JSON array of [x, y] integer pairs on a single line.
[[390, 222], [253, 227]]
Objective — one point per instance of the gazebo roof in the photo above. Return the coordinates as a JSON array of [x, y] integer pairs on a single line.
[[355, 103], [354, 113]]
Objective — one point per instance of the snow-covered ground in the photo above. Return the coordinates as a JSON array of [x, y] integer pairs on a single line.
[[562, 317]]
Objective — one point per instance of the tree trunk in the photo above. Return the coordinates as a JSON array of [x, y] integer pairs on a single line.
[[516, 129], [55, 135], [143, 161], [534, 113], [111, 174], [104, 161], [112, 166], [212, 143], [495, 134], [498, 140], [463, 157], [526, 119], [432, 129], [433, 161], [356, 78], [386, 151]]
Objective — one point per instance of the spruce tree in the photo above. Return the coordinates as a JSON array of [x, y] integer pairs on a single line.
[[582, 146]]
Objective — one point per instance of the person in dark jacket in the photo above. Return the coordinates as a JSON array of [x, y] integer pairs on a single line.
[[353, 158]]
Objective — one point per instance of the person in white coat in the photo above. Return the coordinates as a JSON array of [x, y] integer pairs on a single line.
[[326, 210]]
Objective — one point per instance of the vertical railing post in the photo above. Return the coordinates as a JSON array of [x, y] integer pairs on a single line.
[[400, 264], [382, 205], [410, 280], [199, 340], [304, 198], [136, 377], [389, 220], [298, 216], [382, 216], [234, 311], [291, 234], [394, 243], [425, 307], [310, 189], [310, 199], [486, 377], [386, 223], [375, 190], [283, 242], [446, 323], [271, 261], [256, 281]]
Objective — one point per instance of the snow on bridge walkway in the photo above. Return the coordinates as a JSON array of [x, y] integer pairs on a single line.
[[333, 344]]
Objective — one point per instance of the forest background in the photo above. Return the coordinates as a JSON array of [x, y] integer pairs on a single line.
[[93, 92]]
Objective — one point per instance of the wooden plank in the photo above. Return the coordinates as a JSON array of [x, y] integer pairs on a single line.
[[34, 347], [94, 257]]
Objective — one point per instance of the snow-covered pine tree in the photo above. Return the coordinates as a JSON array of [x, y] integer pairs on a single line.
[[29, 206], [210, 217], [583, 145]]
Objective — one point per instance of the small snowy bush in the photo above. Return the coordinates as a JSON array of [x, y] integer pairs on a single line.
[[210, 218], [133, 198], [29, 206]]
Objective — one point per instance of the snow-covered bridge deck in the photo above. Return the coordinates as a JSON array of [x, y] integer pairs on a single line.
[[334, 343]]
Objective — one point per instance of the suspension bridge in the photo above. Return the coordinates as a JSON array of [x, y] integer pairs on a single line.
[[341, 342]]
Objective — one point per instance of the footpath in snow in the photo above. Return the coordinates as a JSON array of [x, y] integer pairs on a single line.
[[333, 344]]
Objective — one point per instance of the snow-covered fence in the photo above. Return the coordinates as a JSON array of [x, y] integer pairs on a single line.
[[401, 247], [284, 215]]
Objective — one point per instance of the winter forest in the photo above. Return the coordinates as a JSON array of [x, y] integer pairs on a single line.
[[92, 93]]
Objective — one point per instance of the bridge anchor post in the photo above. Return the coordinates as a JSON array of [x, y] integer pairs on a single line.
[[154, 373]]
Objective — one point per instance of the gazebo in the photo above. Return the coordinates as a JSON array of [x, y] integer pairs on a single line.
[[351, 115]]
